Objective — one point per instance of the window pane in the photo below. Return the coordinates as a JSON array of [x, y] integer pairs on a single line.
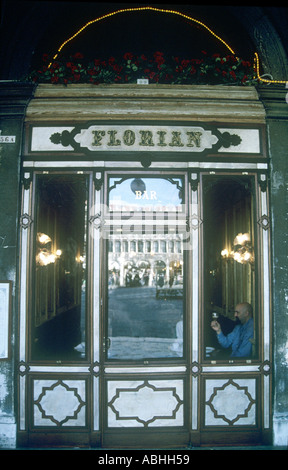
[[145, 299], [229, 264], [148, 194], [58, 327]]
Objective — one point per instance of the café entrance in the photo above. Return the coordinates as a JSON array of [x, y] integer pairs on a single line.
[[122, 264]]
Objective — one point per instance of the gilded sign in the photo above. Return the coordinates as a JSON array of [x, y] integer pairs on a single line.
[[146, 138], [95, 138]]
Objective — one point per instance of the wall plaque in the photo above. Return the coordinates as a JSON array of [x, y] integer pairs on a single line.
[[7, 139]]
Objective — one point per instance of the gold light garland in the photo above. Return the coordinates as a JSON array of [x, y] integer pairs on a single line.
[[173, 12], [259, 77], [126, 10]]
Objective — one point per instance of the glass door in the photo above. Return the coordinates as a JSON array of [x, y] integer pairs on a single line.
[[121, 276], [144, 346], [145, 268]]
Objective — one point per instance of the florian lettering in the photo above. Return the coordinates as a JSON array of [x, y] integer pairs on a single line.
[[176, 140], [162, 135], [97, 138], [194, 139], [129, 138], [146, 138], [113, 141]]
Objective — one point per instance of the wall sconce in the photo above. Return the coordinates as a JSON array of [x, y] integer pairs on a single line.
[[242, 251], [45, 255]]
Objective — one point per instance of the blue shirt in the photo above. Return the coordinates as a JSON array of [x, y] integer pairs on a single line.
[[240, 339]]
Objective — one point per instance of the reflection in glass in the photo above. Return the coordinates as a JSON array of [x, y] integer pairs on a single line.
[[145, 194], [228, 254], [58, 326], [145, 298]]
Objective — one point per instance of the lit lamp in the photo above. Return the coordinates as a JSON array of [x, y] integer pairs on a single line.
[[45, 256], [242, 249]]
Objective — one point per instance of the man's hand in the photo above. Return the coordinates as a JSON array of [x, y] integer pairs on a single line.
[[216, 326]]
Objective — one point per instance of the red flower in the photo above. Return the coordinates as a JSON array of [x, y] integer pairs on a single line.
[[128, 56], [159, 58], [185, 63], [71, 66], [117, 68], [55, 65]]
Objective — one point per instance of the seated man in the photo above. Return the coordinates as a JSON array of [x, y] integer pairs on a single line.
[[241, 336]]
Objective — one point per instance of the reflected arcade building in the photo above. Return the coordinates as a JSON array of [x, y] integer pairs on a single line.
[[144, 211]]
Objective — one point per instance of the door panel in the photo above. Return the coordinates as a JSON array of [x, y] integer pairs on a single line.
[[156, 403]]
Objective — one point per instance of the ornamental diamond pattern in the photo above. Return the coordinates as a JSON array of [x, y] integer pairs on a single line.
[[59, 403], [146, 404], [231, 403]]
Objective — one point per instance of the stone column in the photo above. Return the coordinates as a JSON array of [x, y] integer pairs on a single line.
[[275, 100]]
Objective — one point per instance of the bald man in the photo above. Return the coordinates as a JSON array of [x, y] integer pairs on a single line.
[[242, 335]]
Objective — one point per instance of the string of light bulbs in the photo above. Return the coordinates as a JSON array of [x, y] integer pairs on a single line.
[[260, 77], [172, 12]]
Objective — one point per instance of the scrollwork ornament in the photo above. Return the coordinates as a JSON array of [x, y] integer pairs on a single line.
[[195, 369], [23, 368], [25, 221], [265, 368]]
